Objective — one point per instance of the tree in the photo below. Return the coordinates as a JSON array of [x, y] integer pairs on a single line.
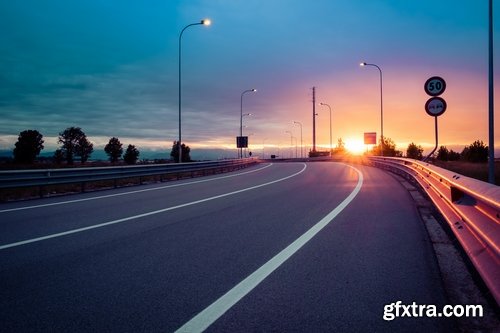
[[453, 155], [340, 149], [131, 155], [74, 142], [447, 155], [389, 148], [28, 146], [414, 151], [477, 152], [84, 149], [58, 156], [443, 154], [185, 152], [114, 149]]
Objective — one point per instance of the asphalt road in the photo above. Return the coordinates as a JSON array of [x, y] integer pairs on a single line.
[[284, 247]]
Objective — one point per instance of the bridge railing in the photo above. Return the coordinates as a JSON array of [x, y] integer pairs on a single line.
[[471, 208], [43, 177]]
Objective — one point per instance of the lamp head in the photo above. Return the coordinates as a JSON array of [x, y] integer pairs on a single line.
[[362, 64], [254, 90], [206, 22]]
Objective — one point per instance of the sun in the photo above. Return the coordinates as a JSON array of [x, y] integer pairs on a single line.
[[355, 146]]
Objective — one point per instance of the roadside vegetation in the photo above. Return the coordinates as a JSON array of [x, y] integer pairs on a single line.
[[75, 147], [471, 162]]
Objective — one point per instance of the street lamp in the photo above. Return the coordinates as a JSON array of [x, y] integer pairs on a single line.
[[241, 116], [491, 94], [263, 146], [202, 22], [295, 138], [330, 109], [296, 122], [381, 108], [248, 147], [291, 144]]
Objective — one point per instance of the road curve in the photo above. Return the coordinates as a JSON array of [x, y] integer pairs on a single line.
[[152, 258]]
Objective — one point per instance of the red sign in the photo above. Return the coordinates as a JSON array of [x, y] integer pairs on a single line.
[[371, 138]]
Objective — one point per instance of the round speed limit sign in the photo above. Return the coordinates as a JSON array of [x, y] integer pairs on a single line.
[[435, 86]]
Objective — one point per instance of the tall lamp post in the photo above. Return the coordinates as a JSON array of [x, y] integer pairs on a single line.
[[244, 126], [263, 146], [381, 108], [296, 122], [241, 115], [291, 143], [330, 109], [491, 93], [202, 22]]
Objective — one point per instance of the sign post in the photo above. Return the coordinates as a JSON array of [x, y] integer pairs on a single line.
[[435, 106]]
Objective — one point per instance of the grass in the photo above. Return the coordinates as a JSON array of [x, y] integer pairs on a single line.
[[472, 170]]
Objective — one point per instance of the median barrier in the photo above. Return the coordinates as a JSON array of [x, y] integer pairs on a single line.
[[31, 178]]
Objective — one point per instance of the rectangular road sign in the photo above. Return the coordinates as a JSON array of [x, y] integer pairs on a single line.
[[371, 138], [242, 142]]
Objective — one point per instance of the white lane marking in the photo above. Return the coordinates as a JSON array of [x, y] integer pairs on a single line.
[[131, 192], [207, 317], [74, 231]]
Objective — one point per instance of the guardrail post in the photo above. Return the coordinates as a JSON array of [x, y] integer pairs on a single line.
[[43, 180], [456, 194]]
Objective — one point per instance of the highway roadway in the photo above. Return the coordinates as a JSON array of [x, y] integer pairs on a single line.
[[282, 247]]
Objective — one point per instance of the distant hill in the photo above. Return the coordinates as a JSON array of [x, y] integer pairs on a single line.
[[196, 154], [5, 153]]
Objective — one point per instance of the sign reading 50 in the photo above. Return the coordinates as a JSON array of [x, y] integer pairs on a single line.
[[435, 86]]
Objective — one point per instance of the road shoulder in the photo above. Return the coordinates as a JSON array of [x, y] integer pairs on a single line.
[[461, 282]]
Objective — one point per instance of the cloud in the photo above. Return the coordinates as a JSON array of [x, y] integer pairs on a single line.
[[111, 69]]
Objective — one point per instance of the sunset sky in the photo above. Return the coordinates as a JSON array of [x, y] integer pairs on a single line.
[[110, 67]]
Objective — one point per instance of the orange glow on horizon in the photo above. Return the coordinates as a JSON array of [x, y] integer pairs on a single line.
[[355, 146]]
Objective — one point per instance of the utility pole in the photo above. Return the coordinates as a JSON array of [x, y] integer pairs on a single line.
[[314, 119], [491, 122]]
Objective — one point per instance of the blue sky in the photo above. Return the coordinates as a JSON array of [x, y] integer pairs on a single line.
[[110, 67]]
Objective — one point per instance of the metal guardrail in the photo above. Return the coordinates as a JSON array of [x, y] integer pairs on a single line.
[[471, 207], [43, 177]]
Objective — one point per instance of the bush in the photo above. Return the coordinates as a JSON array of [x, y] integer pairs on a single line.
[[28, 146], [414, 151], [477, 152]]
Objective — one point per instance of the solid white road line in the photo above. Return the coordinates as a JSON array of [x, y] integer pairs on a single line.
[[131, 192], [208, 316], [74, 231]]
